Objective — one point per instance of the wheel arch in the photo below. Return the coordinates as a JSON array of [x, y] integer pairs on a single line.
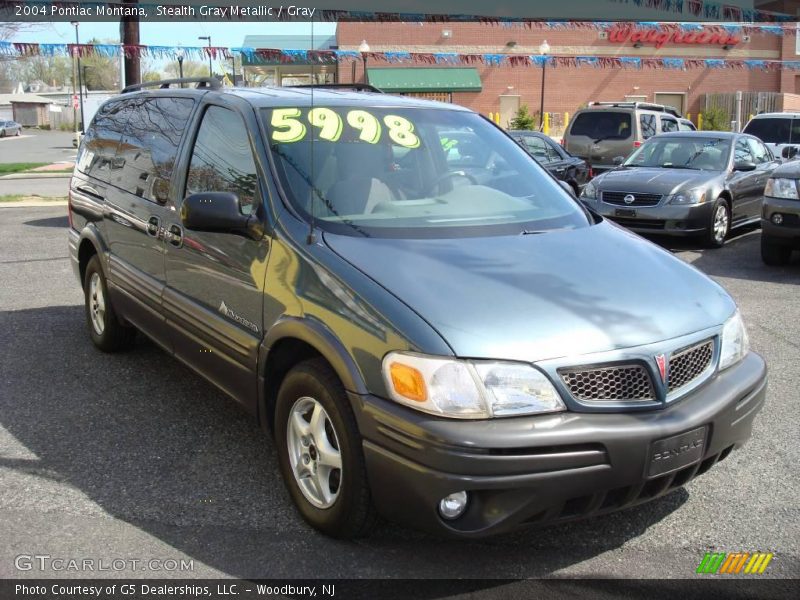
[[290, 341], [90, 244]]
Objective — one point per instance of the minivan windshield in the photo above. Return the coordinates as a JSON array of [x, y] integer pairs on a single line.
[[412, 172], [602, 125], [775, 130], [706, 153]]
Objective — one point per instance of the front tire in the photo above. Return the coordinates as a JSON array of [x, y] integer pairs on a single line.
[[774, 254], [719, 225], [319, 451], [105, 329]]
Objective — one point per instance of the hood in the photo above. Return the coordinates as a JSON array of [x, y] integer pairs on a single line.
[[654, 180], [789, 169], [541, 296]]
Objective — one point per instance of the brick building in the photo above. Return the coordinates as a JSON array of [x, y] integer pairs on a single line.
[[491, 88]]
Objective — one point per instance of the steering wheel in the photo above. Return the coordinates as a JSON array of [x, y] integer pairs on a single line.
[[449, 174]]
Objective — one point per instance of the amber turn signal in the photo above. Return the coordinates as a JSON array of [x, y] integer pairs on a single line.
[[408, 382]]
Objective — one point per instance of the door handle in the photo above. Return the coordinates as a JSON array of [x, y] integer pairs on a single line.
[[175, 235], [153, 226]]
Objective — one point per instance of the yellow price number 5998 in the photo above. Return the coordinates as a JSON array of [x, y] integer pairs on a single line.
[[287, 126]]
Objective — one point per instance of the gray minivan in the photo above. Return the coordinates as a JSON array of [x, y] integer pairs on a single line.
[[605, 131], [465, 350]]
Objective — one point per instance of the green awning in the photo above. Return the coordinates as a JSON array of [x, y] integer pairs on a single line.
[[445, 79]]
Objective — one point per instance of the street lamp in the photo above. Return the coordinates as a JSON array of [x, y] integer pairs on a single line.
[[78, 67], [544, 50], [363, 47], [208, 39], [180, 54]]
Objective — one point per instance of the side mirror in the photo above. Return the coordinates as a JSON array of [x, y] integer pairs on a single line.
[[789, 152], [618, 160], [214, 211], [744, 165], [567, 187]]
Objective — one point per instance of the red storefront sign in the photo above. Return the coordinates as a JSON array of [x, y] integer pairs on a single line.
[[628, 33]]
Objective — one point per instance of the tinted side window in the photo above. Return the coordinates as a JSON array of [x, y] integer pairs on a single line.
[[149, 147], [99, 146], [537, 147], [668, 125], [648, 124], [742, 152], [760, 152], [222, 160]]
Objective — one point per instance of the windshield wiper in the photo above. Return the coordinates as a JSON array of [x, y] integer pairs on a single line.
[[530, 232], [679, 167]]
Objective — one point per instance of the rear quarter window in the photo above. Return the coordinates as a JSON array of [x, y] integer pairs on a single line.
[[600, 125]]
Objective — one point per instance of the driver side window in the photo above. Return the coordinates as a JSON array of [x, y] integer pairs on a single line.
[[222, 160]]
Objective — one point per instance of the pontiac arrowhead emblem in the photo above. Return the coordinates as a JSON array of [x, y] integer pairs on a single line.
[[661, 361]]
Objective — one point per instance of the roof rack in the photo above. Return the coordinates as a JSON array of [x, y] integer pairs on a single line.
[[644, 105], [202, 82], [359, 87]]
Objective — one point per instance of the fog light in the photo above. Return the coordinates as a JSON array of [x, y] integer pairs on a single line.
[[777, 218], [454, 505]]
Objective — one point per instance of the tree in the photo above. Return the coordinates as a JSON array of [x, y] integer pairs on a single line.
[[101, 72], [523, 119], [191, 68], [716, 118]]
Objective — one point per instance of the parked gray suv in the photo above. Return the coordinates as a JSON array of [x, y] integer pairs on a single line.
[[606, 131], [463, 351]]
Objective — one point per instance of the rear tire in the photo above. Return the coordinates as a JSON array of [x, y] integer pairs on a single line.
[[334, 500], [105, 329], [773, 254], [719, 225]]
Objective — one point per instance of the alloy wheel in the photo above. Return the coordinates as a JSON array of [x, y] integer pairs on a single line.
[[721, 224], [97, 304], [314, 454]]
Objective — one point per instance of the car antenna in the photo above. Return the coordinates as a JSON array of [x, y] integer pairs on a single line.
[[312, 238]]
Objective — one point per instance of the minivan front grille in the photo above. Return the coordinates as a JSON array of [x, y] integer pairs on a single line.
[[687, 365], [639, 199], [622, 383]]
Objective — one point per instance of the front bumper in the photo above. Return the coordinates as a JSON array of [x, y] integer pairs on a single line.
[[665, 219], [529, 470], [788, 232]]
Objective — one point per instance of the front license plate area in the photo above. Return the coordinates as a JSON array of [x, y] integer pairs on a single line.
[[676, 452], [625, 212]]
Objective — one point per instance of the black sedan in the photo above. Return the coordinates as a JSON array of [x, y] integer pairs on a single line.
[[554, 158]]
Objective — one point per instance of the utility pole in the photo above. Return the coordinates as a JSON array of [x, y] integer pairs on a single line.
[[129, 34]]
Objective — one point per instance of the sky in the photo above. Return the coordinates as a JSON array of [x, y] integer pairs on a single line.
[[170, 34]]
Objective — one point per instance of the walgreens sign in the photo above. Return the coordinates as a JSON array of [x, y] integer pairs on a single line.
[[628, 33]]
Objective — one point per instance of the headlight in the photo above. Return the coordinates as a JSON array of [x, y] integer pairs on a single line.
[[589, 191], [734, 342], [781, 188], [468, 389], [695, 196]]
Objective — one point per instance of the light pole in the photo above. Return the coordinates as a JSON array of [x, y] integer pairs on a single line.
[[180, 54], [78, 66], [544, 50], [363, 47], [208, 39]]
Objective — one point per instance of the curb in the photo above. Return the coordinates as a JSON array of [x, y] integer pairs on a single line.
[[43, 175], [33, 203]]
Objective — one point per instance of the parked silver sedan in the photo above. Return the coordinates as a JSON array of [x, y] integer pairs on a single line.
[[699, 183], [8, 128]]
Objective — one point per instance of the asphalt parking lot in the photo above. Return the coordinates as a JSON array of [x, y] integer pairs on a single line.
[[132, 456], [37, 145]]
